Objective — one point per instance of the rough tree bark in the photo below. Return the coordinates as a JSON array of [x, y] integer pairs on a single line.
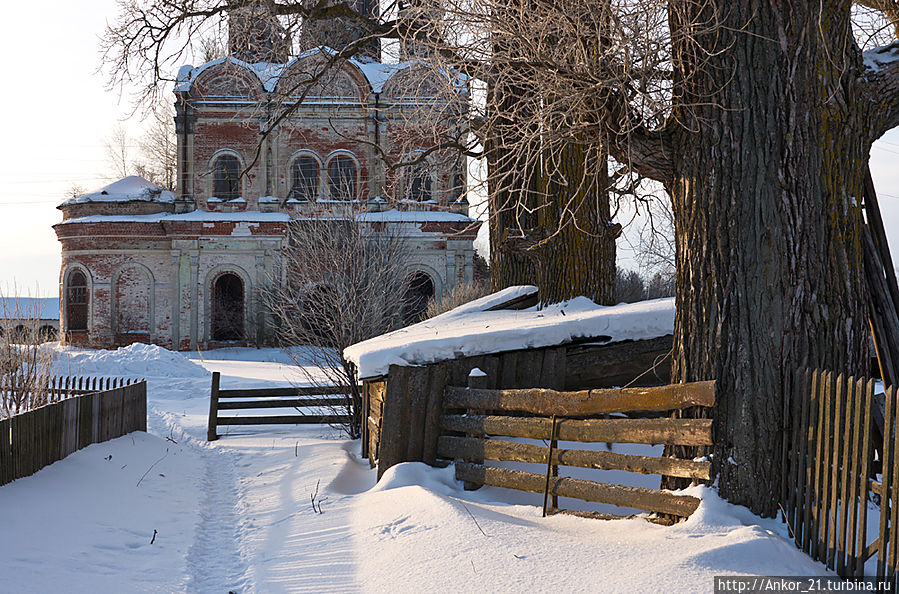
[[773, 121]]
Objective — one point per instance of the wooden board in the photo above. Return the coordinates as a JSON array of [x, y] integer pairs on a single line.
[[542, 401], [650, 431], [494, 449], [282, 403], [286, 420], [618, 363], [619, 495], [284, 392]]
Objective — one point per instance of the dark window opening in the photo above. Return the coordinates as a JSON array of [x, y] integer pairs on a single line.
[[304, 175], [420, 184], [76, 302], [419, 290], [342, 178], [227, 308], [226, 178]]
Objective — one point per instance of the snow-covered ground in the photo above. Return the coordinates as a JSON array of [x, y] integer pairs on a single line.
[[237, 514]]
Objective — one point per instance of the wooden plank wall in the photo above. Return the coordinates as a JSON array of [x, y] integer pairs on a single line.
[[411, 398], [37, 438]]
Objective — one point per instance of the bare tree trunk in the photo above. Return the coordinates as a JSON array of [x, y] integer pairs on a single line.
[[579, 256], [769, 260]]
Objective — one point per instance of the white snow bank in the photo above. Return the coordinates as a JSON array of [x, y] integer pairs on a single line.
[[421, 532], [465, 331], [128, 189], [94, 523], [136, 360]]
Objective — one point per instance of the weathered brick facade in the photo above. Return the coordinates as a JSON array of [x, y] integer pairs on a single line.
[[155, 263]]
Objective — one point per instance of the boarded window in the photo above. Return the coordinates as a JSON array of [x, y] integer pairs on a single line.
[[304, 175], [226, 177], [77, 302], [132, 302], [342, 178]]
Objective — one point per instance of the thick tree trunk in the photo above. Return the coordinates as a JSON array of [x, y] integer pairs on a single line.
[[578, 256], [768, 167]]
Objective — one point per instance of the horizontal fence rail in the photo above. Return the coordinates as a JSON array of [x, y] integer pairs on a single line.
[[37, 438], [268, 398], [474, 417]]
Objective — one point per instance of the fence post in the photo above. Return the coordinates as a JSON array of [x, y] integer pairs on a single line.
[[211, 434], [477, 380]]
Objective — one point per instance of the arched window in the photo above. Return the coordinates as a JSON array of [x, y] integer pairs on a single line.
[[226, 177], [304, 179], [227, 308], [77, 301], [419, 183], [342, 178]]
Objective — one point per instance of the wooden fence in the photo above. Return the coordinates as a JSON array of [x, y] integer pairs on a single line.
[[473, 415], [55, 388], [268, 398], [37, 438], [830, 464]]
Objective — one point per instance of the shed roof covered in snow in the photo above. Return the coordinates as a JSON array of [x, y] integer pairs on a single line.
[[473, 329], [129, 189]]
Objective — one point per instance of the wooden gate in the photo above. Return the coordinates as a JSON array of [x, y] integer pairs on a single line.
[[474, 417], [328, 397]]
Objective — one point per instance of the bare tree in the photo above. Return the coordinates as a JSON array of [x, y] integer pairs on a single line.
[[629, 286], [118, 153], [25, 366], [156, 157], [342, 283], [460, 295], [159, 147]]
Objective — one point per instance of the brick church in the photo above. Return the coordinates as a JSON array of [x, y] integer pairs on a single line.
[[143, 264]]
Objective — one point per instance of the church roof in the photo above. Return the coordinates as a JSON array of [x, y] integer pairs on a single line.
[[376, 73], [129, 189]]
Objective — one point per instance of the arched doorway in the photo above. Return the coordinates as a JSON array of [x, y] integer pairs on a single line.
[[228, 308], [419, 290]]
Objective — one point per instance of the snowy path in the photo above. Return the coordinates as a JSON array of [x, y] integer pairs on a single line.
[[169, 512]]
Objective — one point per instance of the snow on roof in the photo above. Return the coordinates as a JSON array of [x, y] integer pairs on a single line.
[[42, 308], [252, 216], [376, 73], [879, 57], [469, 330], [414, 216], [129, 189]]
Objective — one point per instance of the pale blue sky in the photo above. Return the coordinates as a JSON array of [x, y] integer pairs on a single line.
[[58, 111]]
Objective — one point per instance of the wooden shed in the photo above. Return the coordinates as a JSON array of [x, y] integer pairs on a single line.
[[402, 403]]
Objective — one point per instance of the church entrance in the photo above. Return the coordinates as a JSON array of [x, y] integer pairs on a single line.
[[419, 290], [228, 308]]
